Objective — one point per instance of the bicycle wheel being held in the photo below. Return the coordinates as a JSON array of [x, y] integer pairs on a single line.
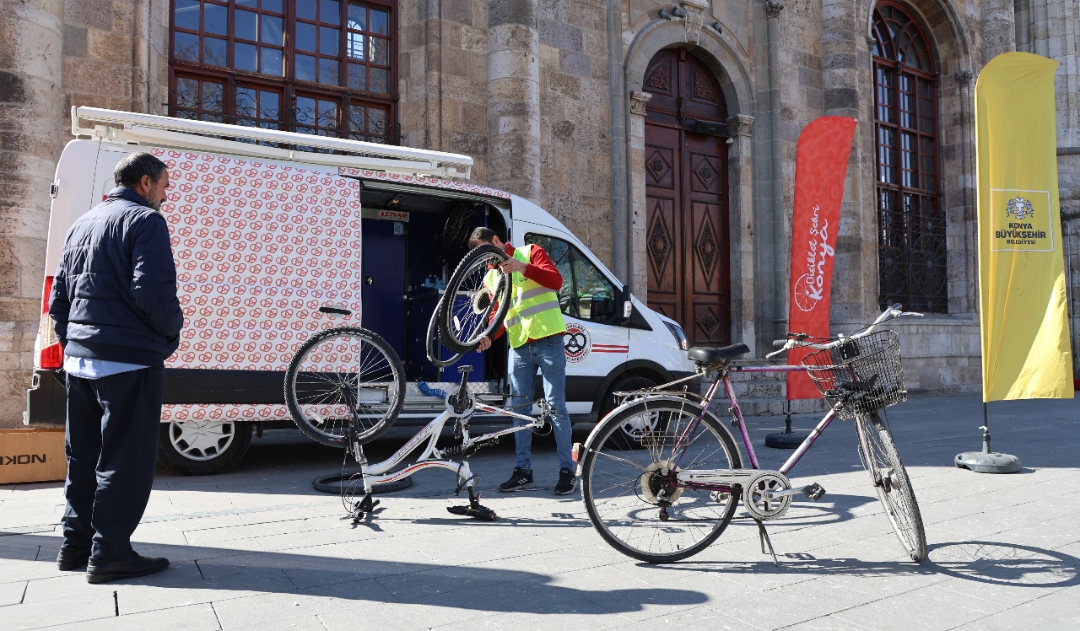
[[669, 490]]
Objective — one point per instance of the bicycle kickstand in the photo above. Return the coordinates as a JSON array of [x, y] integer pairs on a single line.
[[764, 536]]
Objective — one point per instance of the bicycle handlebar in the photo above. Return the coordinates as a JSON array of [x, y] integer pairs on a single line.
[[797, 339]]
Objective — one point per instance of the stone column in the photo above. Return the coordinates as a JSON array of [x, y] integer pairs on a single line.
[[855, 282], [513, 109], [639, 273], [31, 102], [741, 228], [999, 29], [771, 288], [150, 57], [621, 220]]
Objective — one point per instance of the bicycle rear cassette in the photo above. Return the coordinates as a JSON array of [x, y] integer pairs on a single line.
[[759, 495]]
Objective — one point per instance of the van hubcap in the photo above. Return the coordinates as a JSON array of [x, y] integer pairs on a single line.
[[201, 440]]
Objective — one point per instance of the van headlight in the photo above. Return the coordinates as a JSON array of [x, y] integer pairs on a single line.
[[677, 333]]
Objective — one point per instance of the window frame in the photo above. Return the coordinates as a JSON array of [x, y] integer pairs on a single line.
[[574, 251], [911, 219], [287, 85]]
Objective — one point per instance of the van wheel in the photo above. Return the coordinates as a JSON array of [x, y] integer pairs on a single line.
[[203, 447], [626, 384]]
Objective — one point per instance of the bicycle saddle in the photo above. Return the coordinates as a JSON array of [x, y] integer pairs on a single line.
[[717, 355]]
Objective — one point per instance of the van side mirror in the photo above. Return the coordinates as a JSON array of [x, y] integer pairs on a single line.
[[627, 306]]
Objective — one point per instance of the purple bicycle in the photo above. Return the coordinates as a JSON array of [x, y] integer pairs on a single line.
[[662, 475]]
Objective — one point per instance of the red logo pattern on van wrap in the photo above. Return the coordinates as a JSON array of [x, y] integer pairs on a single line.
[[433, 182], [252, 242]]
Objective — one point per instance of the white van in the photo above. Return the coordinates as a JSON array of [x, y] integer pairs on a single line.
[[269, 226]]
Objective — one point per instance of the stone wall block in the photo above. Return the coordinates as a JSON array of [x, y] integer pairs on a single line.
[[473, 40], [575, 63], [561, 35], [107, 47], [510, 63], [89, 13], [75, 41], [512, 37], [503, 12], [562, 85], [459, 11]]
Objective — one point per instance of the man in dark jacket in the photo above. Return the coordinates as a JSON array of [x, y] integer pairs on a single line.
[[116, 314]]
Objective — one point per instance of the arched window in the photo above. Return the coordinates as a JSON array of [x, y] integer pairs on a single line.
[[911, 222]]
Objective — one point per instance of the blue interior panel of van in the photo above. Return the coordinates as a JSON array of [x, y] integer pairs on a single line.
[[425, 278], [383, 281]]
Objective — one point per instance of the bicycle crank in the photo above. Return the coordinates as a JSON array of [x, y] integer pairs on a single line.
[[767, 495], [813, 492]]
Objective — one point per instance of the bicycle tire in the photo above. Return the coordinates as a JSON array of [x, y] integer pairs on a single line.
[[895, 492], [339, 483], [433, 340], [624, 512], [315, 386], [461, 329]]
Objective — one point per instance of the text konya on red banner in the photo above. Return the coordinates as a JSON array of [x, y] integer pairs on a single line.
[[821, 162]]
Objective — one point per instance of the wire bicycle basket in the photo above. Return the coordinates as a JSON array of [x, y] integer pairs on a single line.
[[861, 375]]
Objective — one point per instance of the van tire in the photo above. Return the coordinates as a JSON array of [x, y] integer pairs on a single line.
[[170, 455], [624, 384]]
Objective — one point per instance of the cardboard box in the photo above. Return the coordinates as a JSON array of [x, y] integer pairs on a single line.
[[32, 455]]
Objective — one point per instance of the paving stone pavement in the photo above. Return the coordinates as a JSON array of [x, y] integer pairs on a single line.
[[257, 548]]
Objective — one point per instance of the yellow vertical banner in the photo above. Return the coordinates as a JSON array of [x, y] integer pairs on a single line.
[[1025, 326]]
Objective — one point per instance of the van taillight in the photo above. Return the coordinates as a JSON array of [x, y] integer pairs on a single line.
[[50, 354]]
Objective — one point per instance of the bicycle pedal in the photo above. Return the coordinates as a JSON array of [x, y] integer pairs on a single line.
[[814, 492]]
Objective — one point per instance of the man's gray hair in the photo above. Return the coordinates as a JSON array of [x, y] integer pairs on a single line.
[[131, 169]]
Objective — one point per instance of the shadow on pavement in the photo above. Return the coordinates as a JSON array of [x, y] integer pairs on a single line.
[[988, 562], [465, 587]]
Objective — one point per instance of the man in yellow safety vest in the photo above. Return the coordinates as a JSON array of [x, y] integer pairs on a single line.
[[534, 327]]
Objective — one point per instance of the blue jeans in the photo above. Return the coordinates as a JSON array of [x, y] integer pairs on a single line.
[[547, 355]]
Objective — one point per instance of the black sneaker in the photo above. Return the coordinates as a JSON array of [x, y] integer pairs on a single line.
[[567, 482], [519, 480]]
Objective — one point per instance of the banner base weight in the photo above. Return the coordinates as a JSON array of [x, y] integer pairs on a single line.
[[980, 462]]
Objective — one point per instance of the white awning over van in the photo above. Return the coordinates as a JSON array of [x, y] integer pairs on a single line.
[[180, 133]]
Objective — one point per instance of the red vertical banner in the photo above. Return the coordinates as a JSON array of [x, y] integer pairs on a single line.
[[821, 162]]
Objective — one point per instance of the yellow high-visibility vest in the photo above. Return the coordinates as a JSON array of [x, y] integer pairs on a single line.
[[534, 309]]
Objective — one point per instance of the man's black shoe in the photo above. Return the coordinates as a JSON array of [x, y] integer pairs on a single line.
[[567, 482], [132, 567], [71, 558], [519, 481]]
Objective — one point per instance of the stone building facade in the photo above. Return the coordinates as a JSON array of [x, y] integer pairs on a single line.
[[574, 103]]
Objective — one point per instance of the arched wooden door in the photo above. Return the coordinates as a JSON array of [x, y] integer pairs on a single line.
[[686, 190]]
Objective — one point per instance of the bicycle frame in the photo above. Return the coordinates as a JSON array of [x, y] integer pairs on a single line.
[[432, 457], [721, 480]]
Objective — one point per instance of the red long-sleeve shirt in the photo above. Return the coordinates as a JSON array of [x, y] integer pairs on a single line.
[[540, 269]]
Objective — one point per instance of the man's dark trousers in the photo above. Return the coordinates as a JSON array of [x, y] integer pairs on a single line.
[[112, 434]]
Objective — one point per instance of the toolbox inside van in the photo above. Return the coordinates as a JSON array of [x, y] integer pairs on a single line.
[[412, 241]]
